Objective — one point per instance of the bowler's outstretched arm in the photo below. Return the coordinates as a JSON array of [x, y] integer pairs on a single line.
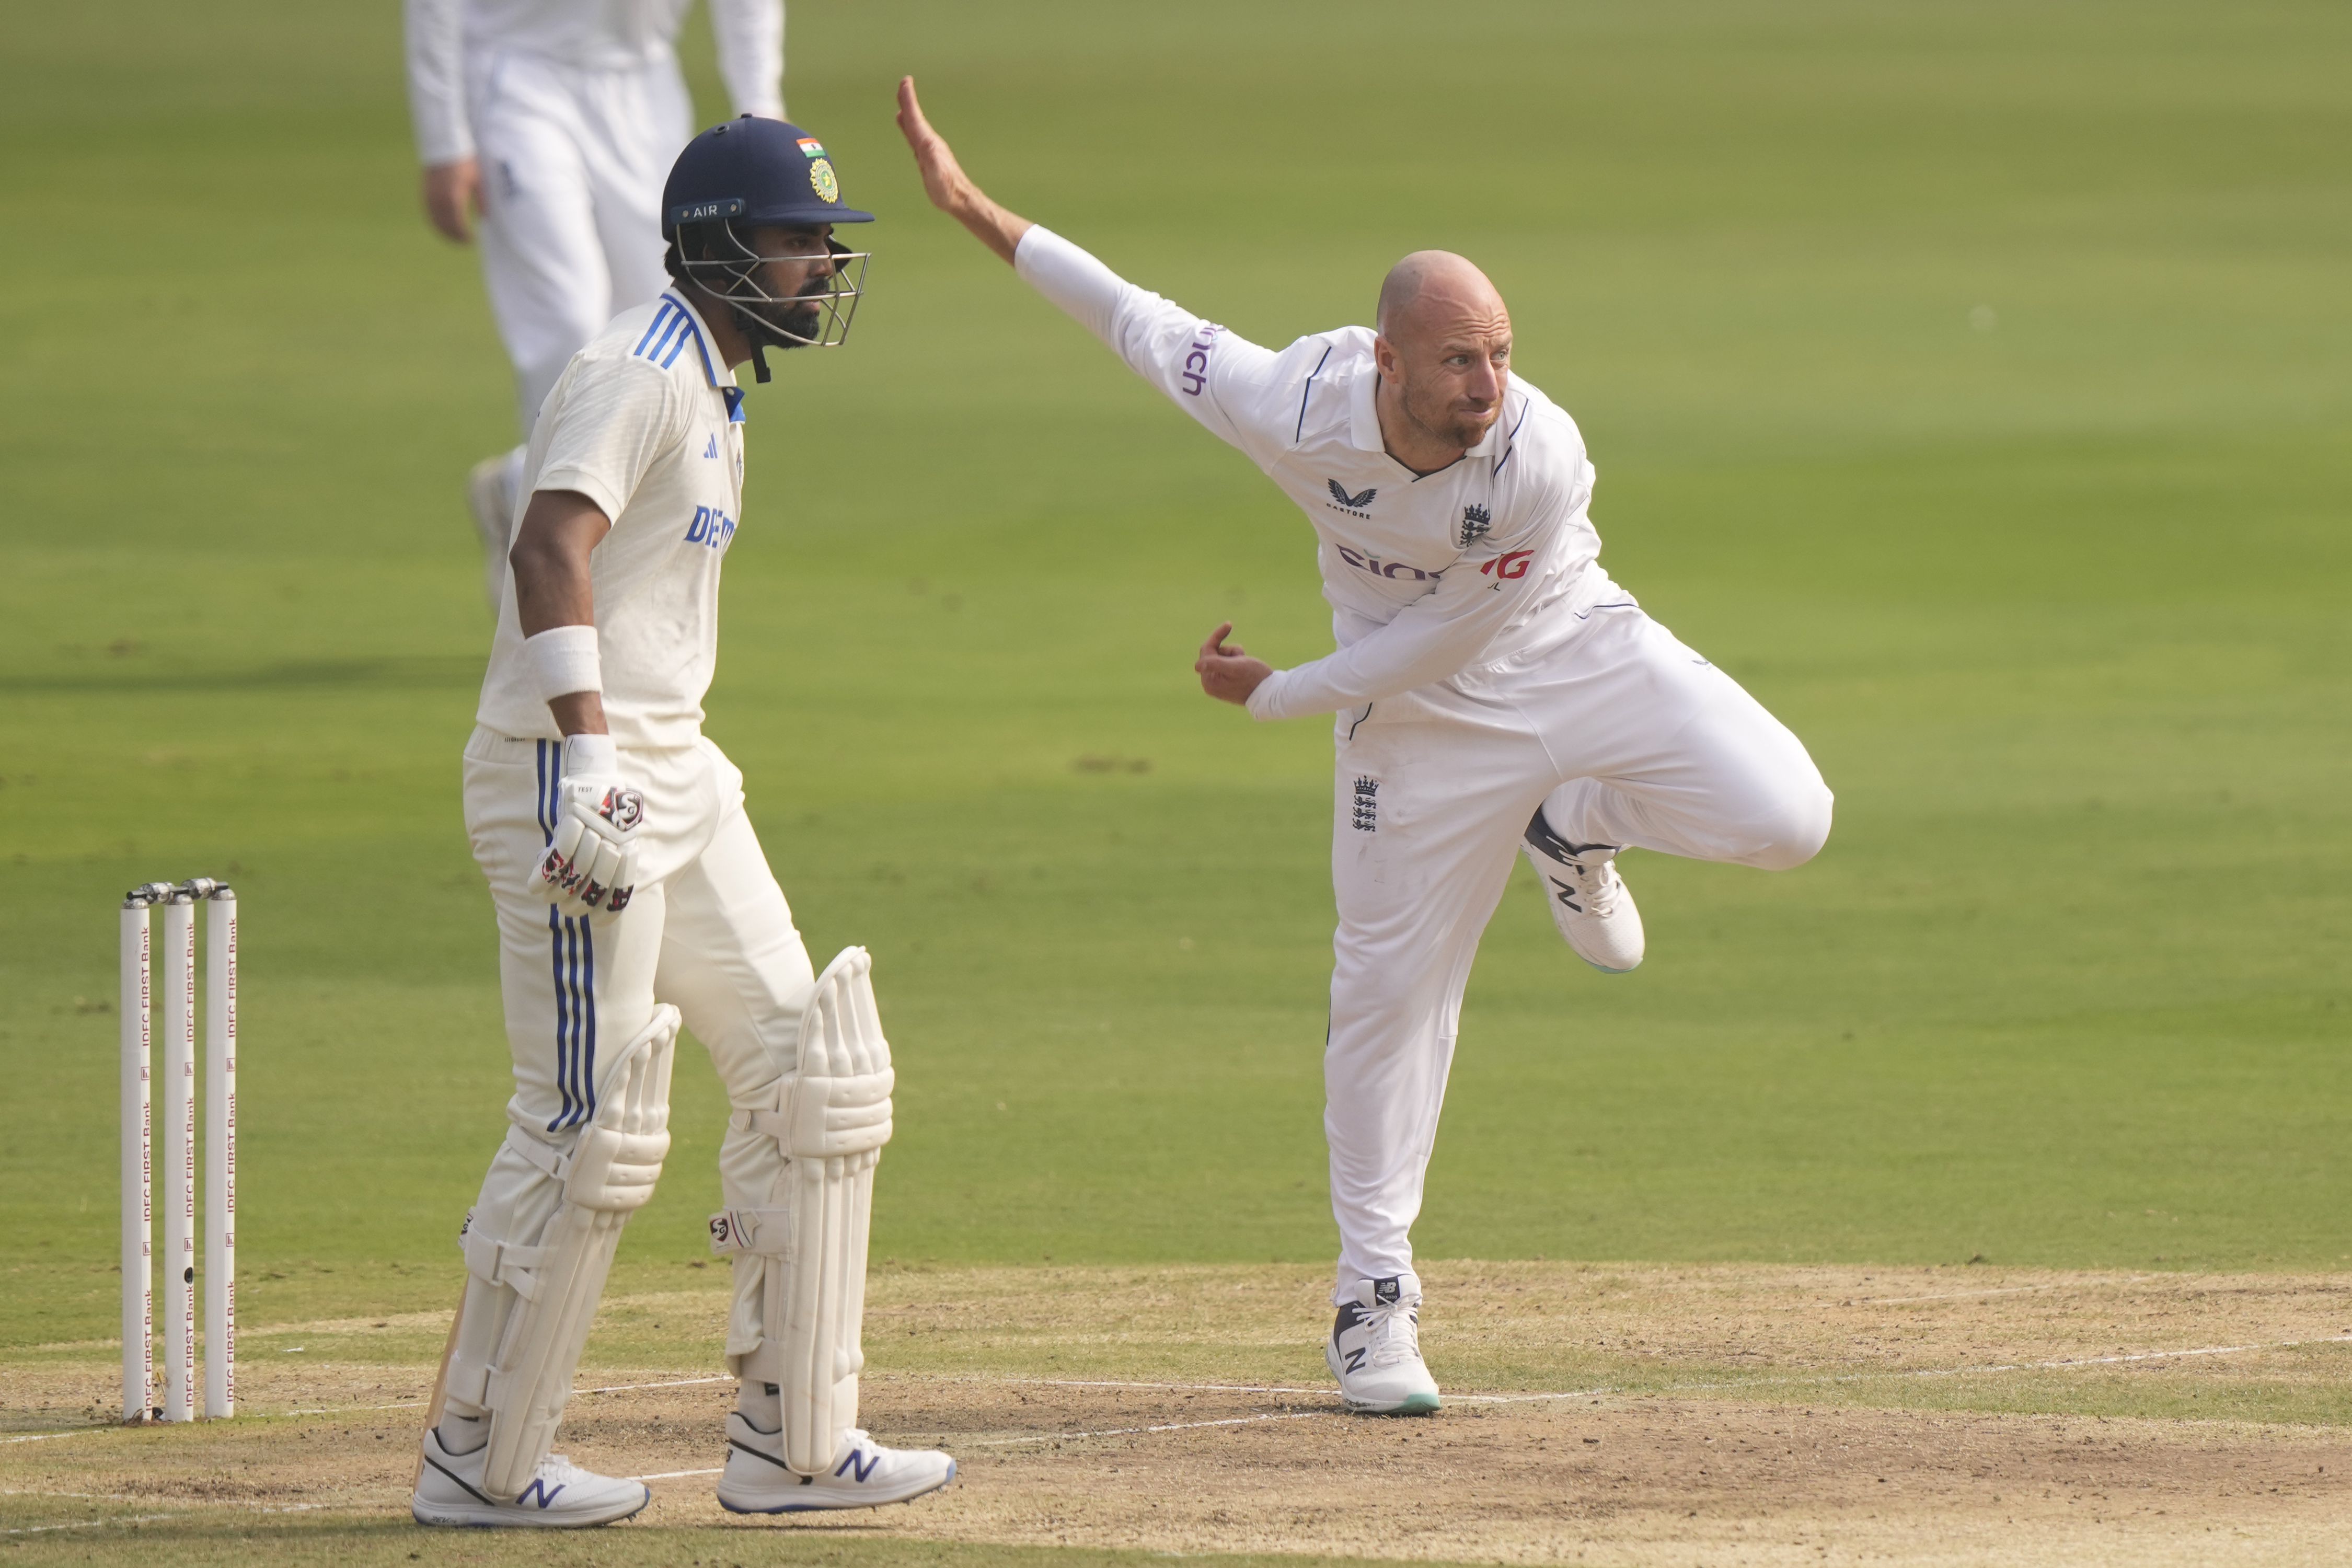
[[950, 188]]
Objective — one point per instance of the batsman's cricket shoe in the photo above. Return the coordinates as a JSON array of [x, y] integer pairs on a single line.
[[1375, 1350], [864, 1474], [562, 1496], [1589, 903]]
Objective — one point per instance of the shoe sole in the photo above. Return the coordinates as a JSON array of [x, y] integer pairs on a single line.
[[1411, 1404], [483, 1518], [837, 1507]]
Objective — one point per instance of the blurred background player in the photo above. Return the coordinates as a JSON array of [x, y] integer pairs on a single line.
[[1496, 695], [555, 123], [633, 898]]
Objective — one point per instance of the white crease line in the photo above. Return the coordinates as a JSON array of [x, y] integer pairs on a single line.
[[674, 1475], [2003, 1290], [91, 1523], [1459, 1398], [151, 1518], [1170, 1426], [1209, 1387], [679, 1383]]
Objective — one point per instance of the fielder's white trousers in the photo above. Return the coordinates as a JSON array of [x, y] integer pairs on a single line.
[[707, 931], [572, 166], [1624, 736]]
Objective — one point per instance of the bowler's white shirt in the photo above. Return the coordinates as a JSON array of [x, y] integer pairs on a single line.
[[1427, 576], [448, 38], [646, 422]]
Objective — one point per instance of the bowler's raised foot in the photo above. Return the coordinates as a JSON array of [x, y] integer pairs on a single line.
[[560, 1496], [1375, 1350], [863, 1474], [1589, 902]]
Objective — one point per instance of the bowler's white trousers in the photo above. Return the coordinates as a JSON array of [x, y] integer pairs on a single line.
[[1624, 736], [707, 931], [573, 164]]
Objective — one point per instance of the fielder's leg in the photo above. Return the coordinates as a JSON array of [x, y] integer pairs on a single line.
[[543, 264]]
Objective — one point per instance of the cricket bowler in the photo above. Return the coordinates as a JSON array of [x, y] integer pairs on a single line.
[[1494, 693], [633, 898]]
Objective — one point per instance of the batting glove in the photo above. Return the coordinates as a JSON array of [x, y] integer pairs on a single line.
[[590, 868]]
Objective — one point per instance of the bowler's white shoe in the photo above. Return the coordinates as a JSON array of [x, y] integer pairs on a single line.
[[864, 1475], [489, 495], [1375, 1350], [562, 1496], [1589, 903]]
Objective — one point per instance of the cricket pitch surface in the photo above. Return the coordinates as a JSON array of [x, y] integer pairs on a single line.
[[1595, 1414]]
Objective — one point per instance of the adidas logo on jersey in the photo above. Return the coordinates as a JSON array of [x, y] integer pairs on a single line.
[[712, 449]]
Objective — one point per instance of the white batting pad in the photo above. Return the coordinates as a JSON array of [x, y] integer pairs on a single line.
[[831, 1117], [607, 1177]]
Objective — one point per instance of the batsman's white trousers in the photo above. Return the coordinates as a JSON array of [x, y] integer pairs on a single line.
[[707, 932], [573, 165], [1624, 736]]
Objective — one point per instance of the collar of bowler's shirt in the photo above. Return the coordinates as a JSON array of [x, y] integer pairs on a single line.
[[1364, 418]]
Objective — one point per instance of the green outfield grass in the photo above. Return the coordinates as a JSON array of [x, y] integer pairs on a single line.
[[1968, 380]]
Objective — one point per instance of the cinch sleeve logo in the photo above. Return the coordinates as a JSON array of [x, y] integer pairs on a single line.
[[1195, 376], [1509, 566], [710, 527]]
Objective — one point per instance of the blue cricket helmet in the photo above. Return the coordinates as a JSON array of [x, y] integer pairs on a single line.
[[754, 170]]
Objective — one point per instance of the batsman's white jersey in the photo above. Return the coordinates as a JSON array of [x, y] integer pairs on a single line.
[[647, 423], [576, 111], [1487, 667]]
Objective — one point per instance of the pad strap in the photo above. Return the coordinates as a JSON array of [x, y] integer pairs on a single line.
[[825, 1118], [765, 1233], [497, 1262]]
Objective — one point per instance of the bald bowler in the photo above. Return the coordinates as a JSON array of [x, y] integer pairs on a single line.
[[1493, 693]]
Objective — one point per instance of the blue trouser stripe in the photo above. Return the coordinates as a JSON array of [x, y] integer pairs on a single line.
[[573, 955]]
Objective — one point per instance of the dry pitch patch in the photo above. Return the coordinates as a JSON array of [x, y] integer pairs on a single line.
[[1631, 1415]]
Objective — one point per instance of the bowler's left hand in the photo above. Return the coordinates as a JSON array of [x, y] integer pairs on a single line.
[[1226, 671]]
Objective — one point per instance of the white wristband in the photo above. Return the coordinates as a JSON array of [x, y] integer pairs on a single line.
[[586, 756], [563, 660]]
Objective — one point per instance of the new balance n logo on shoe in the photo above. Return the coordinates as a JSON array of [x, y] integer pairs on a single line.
[[857, 1465], [540, 1490]]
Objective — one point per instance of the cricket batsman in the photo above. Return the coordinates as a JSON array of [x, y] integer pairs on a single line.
[[1494, 693], [633, 898]]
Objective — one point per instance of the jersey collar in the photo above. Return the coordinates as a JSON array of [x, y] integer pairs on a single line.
[[1364, 419], [721, 377]]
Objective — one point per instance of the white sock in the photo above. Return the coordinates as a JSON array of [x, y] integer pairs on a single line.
[[762, 1405], [463, 1434]]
